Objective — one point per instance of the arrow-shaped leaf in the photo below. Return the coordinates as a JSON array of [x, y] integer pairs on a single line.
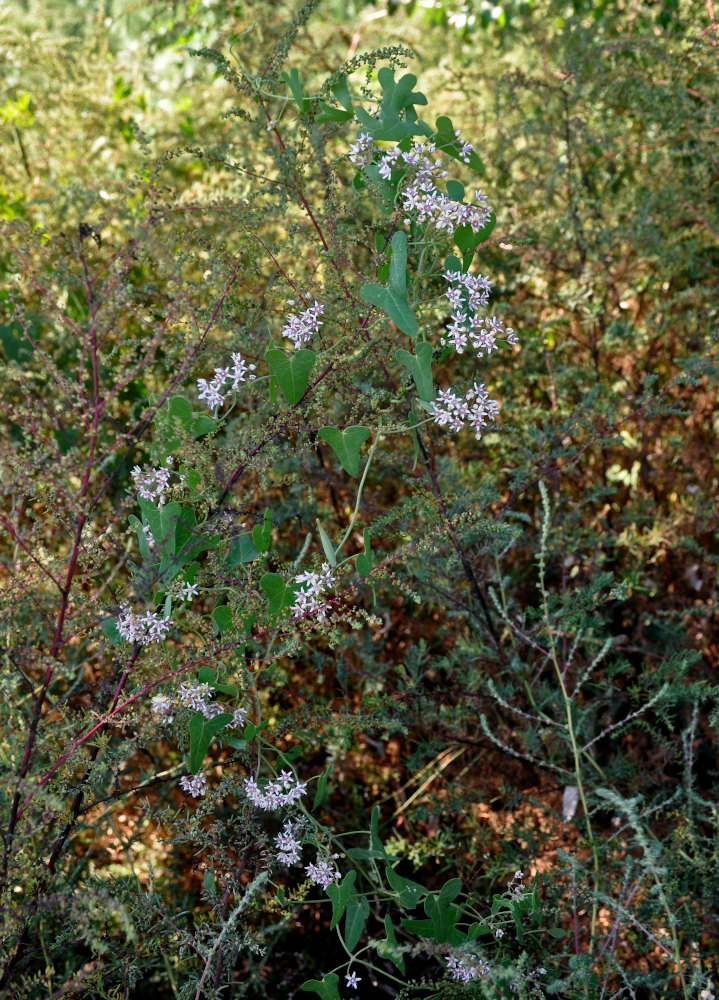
[[394, 305], [320, 794], [326, 544], [202, 732], [393, 299], [389, 948], [420, 367], [341, 91], [330, 114], [346, 445], [355, 917], [291, 371], [340, 896]]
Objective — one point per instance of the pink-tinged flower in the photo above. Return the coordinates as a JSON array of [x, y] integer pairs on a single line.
[[352, 979], [163, 708], [289, 847], [142, 629], [277, 793], [195, 785], [239, 717], [322, 873], [309, 599], [195, 696], [214, 393], [464, 969], [300, 329], [151, 485], [363, 151]]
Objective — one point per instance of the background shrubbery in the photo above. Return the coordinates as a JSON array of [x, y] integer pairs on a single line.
[[526, 681]]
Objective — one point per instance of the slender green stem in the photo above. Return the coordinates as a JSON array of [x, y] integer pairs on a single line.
[[350, 526]]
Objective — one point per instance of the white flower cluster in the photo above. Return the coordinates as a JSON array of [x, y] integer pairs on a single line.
[[301, 328], [362, 152], [467, 294], [142, 629], [421, 199], [197, 697], [476, 409], [323, 872], [214, 392], [163, 708], [195, 785], [309, 600], [464, 970], [289, 848], [281, 792], [289, 851], [152, 485]]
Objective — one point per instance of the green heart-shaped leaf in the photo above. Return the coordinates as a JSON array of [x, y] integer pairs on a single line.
[[346, 445], [222, 617], [280, 594], [326, 987], [243, 550], [292, 371], [421, 368]]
